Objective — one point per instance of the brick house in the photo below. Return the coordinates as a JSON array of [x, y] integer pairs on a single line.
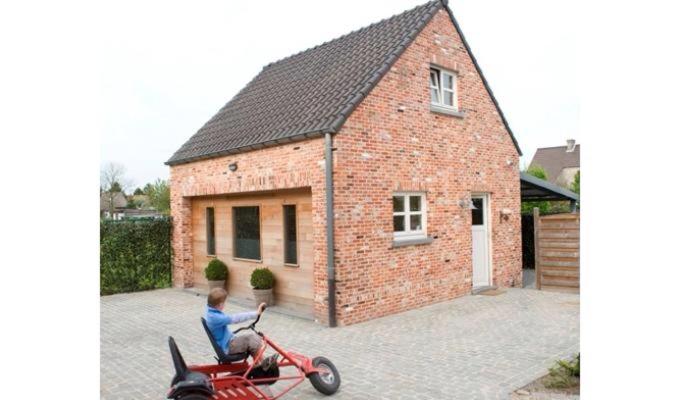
[[392, 130]]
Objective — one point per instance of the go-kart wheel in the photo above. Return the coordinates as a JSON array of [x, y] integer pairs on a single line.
[[328, 380]]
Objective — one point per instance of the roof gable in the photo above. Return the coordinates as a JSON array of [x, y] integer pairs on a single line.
[[313, 92]]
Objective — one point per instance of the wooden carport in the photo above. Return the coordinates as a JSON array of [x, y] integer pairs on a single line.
[[556, 237]]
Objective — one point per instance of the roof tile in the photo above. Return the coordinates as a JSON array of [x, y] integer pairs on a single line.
[[313, 91]]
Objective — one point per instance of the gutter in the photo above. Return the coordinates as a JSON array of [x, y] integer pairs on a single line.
[[330, 238]]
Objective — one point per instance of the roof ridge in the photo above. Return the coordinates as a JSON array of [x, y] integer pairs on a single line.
[[431, 2], [556, 147]]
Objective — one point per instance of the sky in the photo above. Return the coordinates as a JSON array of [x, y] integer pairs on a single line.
[[166, 67]]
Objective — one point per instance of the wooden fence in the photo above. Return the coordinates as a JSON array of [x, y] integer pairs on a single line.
[[556, 241]]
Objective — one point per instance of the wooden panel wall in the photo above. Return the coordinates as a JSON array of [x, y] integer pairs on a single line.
[[558, 252], [294, 284]]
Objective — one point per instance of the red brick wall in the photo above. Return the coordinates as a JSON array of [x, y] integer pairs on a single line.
[[293, 165], [381, 150]]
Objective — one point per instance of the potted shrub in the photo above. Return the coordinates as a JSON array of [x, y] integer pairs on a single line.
[[216, 273], [262, 281]]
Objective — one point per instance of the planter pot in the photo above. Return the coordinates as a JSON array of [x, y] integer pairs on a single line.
[[213, 284], [264, 296]]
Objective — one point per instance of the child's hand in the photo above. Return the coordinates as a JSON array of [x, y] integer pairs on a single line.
[[261, 308]]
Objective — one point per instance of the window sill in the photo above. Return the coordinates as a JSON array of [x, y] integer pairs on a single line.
[[291, 265], [211, 255], [446, 111], [411, 242], [247, 260]]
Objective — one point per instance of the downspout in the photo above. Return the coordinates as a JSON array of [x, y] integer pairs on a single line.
[[330, 238]]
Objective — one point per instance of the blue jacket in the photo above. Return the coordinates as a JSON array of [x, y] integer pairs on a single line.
[[218, 323]]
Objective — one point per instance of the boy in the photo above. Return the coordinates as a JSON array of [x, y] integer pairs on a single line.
[[218, 323]]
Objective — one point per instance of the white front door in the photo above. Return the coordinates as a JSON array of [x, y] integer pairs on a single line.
[[481, 274]]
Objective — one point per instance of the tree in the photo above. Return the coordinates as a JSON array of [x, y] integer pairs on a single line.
[[138, 192], [112, 181], [159, 195], [537, 171], [543, 206], [576, 184]]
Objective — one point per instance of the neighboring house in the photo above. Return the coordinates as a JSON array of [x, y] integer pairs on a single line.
[[120, 210], [112, 205], [132, 213], [561, 163], [384, 224]]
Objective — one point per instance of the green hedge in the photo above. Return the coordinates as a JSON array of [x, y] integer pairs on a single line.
[[134, 255]]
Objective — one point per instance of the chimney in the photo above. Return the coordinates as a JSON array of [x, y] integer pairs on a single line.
[[571, 145]]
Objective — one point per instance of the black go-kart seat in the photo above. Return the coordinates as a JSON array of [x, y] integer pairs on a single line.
[[183, 374], [221, 356]]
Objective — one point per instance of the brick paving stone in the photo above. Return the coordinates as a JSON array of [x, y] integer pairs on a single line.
[[474, 347]]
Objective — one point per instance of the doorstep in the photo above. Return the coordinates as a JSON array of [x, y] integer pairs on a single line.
[[482, 289]]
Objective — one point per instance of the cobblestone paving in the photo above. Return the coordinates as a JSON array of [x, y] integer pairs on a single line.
[[474, 347]]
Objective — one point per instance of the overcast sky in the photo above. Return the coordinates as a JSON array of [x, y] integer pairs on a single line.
[[167, 67]]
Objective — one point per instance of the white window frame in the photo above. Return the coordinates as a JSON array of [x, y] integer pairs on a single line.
[[409, 234], [441, 74]]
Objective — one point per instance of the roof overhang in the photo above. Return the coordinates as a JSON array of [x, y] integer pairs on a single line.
[[536, 189]]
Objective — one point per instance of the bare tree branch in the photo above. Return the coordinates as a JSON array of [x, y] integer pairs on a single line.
[[112, 180]]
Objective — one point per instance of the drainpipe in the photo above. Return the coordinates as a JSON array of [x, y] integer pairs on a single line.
[[330, 239]]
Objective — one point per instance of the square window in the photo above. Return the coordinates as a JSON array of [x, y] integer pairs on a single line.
[[443, 88], [247, 232], [409, 216]]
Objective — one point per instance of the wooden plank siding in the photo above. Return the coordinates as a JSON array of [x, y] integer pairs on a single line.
[[294, 287], [558, 252]]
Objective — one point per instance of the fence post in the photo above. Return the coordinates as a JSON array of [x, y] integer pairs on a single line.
[[537, 265]]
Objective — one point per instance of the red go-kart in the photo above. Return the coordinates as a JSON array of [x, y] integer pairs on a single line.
[[233, 377]]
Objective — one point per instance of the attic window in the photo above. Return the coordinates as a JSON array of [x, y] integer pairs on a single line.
[[443, 89]]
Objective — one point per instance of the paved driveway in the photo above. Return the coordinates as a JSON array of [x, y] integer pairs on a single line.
[[474, 347]]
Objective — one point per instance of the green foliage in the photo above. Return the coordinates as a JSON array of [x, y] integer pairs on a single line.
[[565, 373], [132, 203], [134, 255], [262, 278], [159, 195], [543, 206], [576, 184], [216, 270], [537, 171], [138, 192], [115, 187]]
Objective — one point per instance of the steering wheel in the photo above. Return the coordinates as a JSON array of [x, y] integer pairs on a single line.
[[252, 325]]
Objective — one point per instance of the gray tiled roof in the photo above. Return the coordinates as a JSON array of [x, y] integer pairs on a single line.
[[555, 159], [309, 93]]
